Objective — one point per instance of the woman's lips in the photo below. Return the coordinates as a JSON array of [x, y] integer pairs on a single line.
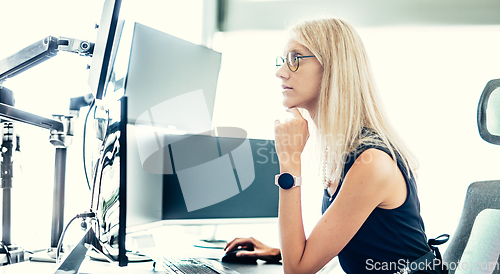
[[285, 88]]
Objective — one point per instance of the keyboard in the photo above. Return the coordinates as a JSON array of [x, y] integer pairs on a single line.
[[191, 265]]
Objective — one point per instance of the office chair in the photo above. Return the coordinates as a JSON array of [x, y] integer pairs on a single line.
[[480, 221]]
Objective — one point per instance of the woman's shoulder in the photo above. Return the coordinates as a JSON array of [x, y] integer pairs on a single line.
[[378, 173], [371, 146], [375, 163]]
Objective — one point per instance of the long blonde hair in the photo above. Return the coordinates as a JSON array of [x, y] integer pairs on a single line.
[[348, 102]]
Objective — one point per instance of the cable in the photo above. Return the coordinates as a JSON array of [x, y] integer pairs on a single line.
[[97, 167], [84, 136], [61, 238]]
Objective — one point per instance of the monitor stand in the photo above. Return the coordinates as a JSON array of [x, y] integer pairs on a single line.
[[74, 259], [212, 242], [46, 255]]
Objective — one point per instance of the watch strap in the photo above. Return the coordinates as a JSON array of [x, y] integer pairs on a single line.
[[297, 181]]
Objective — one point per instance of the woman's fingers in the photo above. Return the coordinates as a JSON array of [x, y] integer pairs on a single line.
[[238, 242], [296, 113], [291, 136]]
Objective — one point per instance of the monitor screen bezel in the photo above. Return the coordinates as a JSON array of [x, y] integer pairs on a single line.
[[102, 55]]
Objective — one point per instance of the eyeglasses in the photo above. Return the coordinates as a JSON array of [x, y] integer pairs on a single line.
[[292, 60]]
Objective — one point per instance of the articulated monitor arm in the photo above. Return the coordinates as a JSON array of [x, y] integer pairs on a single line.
[[61, 130], [11, 113], [61, 127], [41, 51]]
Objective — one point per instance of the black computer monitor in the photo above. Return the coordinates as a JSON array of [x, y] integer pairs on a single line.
[[109, 184], [105, 44], [202, 179]]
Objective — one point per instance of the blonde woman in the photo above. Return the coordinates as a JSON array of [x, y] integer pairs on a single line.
[[371, 214]]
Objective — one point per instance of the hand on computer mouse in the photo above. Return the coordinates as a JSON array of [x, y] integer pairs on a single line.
[[233, 257], [253, 248]]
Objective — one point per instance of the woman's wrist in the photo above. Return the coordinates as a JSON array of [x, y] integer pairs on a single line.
[[293, 168], [275, 255]]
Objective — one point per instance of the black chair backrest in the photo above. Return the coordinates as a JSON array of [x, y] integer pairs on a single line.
[[480, 196]]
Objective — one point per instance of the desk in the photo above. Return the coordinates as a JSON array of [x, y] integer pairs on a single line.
[[261, 267], [172, 241], [97, 267]]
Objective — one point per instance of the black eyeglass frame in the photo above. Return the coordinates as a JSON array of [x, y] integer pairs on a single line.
[[283, 60]]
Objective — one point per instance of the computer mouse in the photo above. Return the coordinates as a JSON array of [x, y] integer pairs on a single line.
[[232, 258]]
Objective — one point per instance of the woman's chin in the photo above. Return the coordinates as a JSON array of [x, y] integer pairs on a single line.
[[287, 103]]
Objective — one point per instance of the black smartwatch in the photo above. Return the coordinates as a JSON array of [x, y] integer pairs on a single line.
[[286, 180]]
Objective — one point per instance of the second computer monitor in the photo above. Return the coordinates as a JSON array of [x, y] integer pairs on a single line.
[[203, 179]]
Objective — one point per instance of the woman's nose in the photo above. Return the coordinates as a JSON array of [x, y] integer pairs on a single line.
[[283, 72]]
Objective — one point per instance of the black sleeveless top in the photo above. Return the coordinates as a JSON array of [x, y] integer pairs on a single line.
[[388, 239]]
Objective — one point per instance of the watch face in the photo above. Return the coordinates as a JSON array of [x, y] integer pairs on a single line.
[[286, 181]]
